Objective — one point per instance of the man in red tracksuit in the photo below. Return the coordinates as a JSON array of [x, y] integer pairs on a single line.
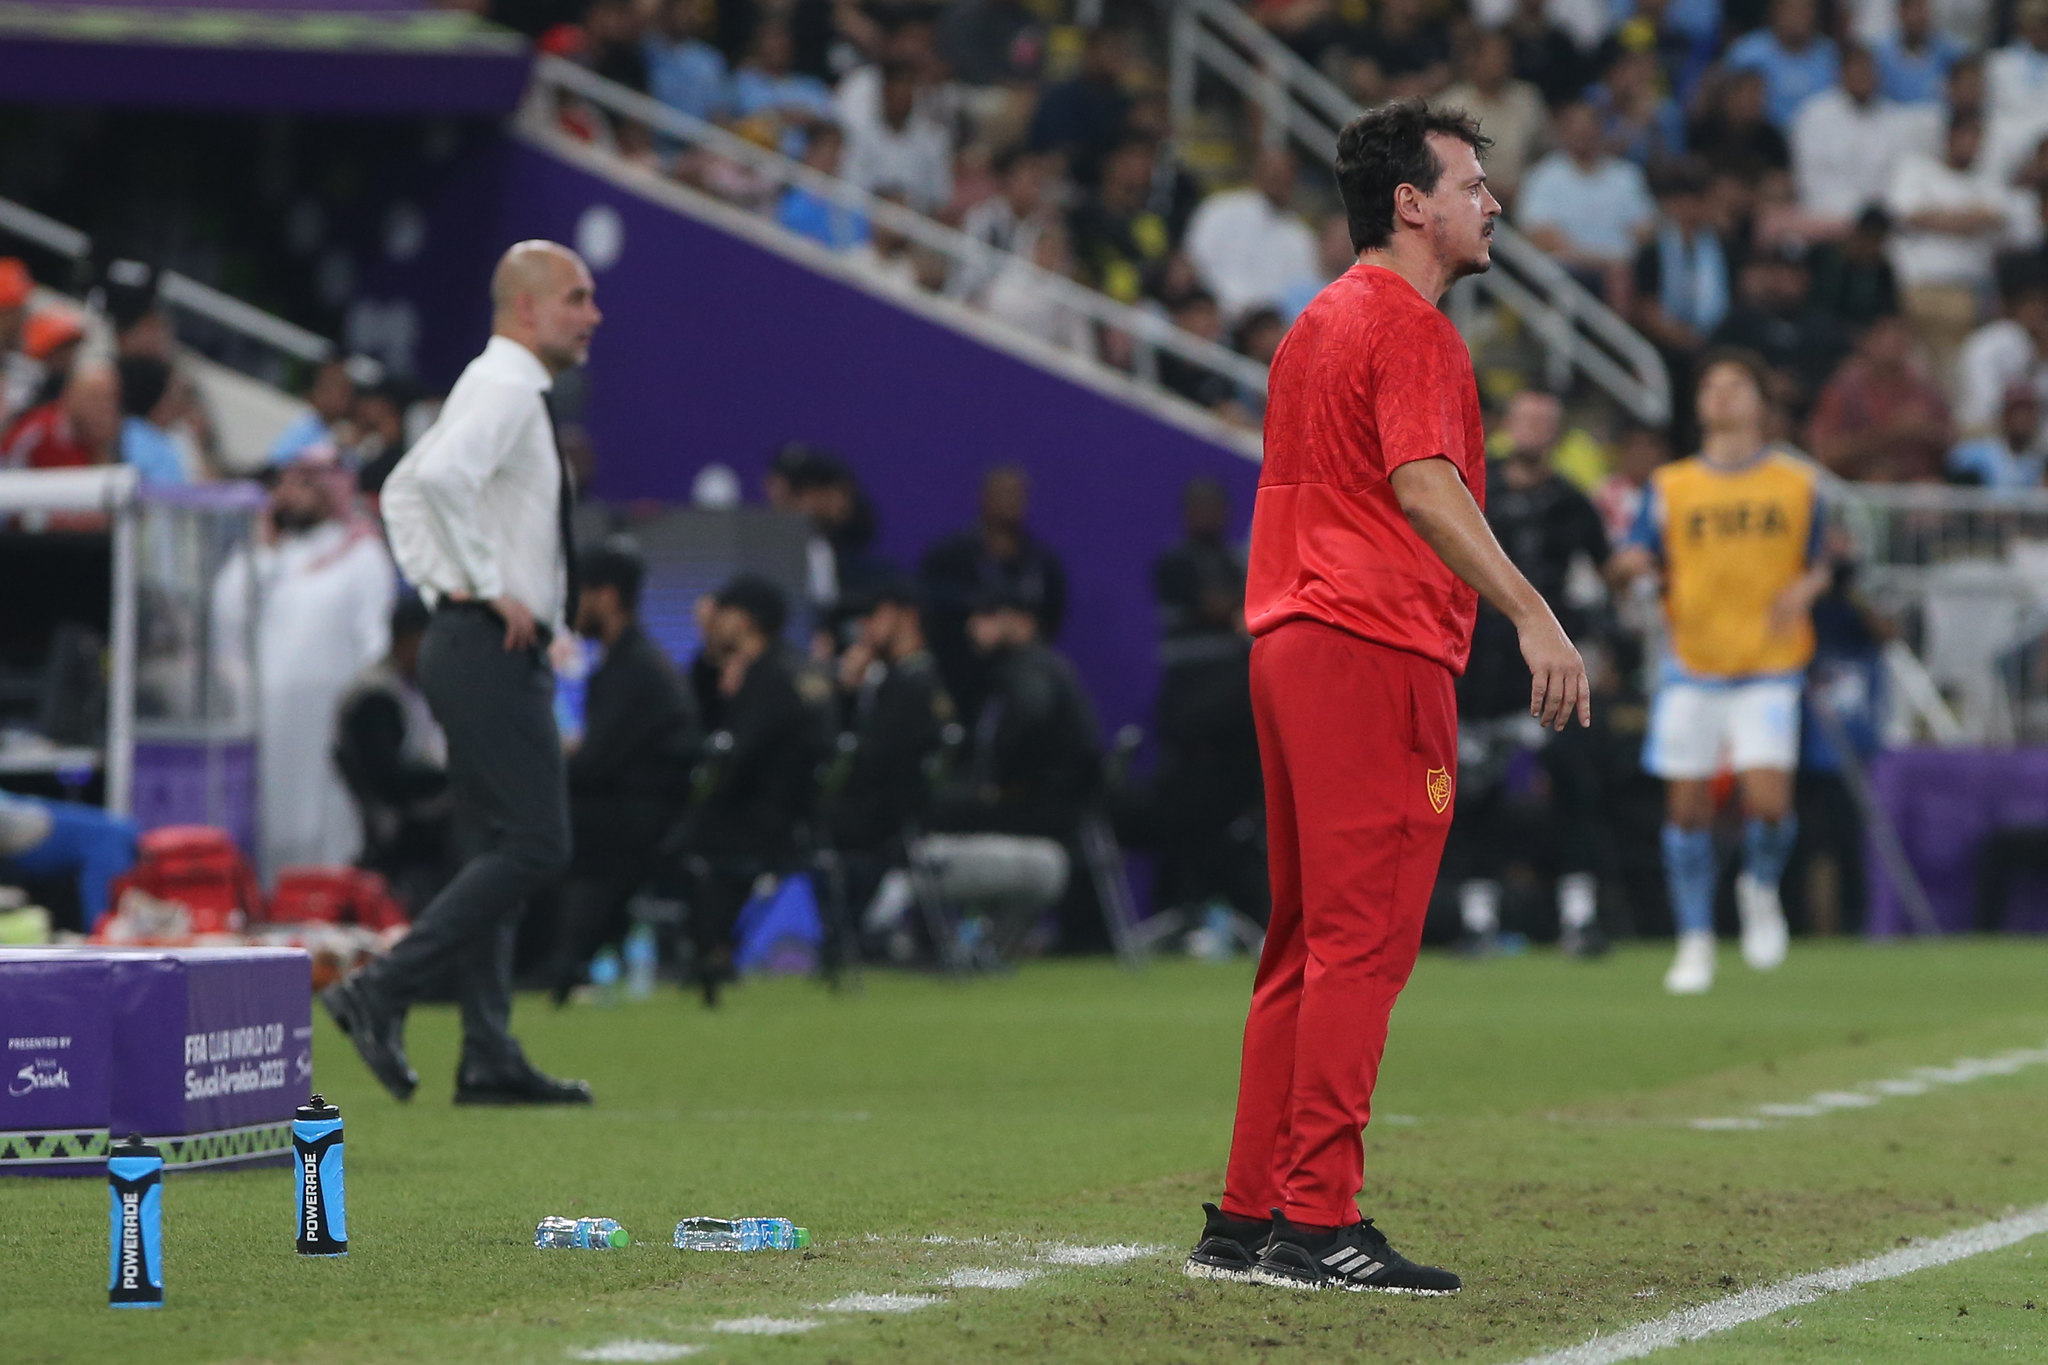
[[1369, 554]]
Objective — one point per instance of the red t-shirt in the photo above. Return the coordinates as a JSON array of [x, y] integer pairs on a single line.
[[1370, 376], [41, 439]]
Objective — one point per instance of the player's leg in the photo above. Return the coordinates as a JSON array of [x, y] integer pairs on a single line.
[[1371, 747], [1764, 745], [1234, 1234], [1687, 721]]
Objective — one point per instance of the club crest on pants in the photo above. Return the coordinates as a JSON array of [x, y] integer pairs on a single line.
[[1437, 782]]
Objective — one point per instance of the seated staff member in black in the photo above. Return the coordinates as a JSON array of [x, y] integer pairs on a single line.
[[898, 710], [478, 515], [395, 761], [629, 775], [757, 789]]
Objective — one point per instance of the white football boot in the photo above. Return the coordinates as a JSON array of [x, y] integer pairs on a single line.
[[1692, 971], [1764, 936]]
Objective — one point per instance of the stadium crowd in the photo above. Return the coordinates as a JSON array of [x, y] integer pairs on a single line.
[[1854, 190]]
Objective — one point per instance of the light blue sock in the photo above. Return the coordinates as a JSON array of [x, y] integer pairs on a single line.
[[1689, 873], [1766, 848]]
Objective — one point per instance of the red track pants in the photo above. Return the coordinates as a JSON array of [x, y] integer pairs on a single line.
[[1359, 744]]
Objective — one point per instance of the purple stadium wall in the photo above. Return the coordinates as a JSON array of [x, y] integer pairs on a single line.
[[715, 349]]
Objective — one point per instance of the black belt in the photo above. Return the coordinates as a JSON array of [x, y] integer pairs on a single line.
[[543, 636]]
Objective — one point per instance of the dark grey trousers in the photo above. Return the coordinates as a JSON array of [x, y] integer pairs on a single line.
[[511, 828]]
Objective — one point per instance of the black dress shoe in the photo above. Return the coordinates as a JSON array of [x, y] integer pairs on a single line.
[[524, 1087], [377, 1031]]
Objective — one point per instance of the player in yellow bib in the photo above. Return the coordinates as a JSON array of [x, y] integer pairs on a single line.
[[1736, 531]]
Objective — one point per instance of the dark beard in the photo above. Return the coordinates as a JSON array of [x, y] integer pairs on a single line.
[[291, 520]]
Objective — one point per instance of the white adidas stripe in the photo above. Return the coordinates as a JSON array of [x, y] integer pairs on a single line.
[[1690, 1324]]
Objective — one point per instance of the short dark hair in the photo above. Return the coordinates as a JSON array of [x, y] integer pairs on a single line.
[[615, 563], [764, 603], [1752, 361], [1387, 147]]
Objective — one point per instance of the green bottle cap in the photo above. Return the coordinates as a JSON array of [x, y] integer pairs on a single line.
[[618, 1238], [803, 1238]]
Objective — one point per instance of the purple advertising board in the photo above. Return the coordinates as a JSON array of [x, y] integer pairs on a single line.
[[205, 1051], [715, 348], [1944, 803]]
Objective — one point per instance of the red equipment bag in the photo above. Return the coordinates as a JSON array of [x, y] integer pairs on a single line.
[[199, 867], [334, 895]]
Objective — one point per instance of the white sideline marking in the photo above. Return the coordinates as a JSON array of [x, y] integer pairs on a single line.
[[1918, 1082], [880, 1303], [989, 1277], [764, 1327], [1690, 1324], [1121, 1253], [636, 1350]]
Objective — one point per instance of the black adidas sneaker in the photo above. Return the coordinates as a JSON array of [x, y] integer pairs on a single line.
[[1229, 1247], [1356, 1258]]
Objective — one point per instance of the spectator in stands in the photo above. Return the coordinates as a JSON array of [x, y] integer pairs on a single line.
[[1950, 220], [629, 773], [1545, 55], [1796, 60], [1035, 757], [379, 422], [613, 42], [769, 83], [1197, 314], [758, 791], [887, 254], [321, 586], [148, 408], [1589, 208], [1175, 193], [394, 760], [1120, 243], [326, 423], [50, 341], [82, 426], [812, 215], [1401, 52], [684, 71], [2016, 75], [1257, 336], [1845, 142], [1638, 120], [998, 550], [2012, 455], [1774, 317], [991, 42], [1018, 295], [1881, 419], [1083, 118], [1913, 64], [1682, 285], [1508, 108], [1619, 498], [1208, 789], [1852, 279], [1249, 245], [2012, 350], [1731, 133], [17, 376], [1004, 220], [902, 148], [1683, 35]]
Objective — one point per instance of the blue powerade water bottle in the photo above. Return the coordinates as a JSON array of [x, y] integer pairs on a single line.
[[135, 1253], [322, 1206]]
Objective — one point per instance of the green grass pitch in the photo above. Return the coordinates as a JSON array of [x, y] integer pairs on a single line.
[[1531, 1133]]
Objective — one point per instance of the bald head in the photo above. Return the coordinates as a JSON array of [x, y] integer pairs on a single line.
[[543, 298], [92, 402]]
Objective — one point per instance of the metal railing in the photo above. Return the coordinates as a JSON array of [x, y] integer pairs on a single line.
[[246, 323], [1296, 101], [1148, 331]]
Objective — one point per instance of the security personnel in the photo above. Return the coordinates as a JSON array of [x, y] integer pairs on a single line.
[[899, 711], [757, 791], [629, 774]]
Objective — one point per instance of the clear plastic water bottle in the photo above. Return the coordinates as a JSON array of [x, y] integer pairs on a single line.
[[642, 957], [604, 977], [580, 1234], [741, 1234]]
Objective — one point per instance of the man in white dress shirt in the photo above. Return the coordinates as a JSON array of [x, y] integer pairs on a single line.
[[478, 516], [1249, 245]]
